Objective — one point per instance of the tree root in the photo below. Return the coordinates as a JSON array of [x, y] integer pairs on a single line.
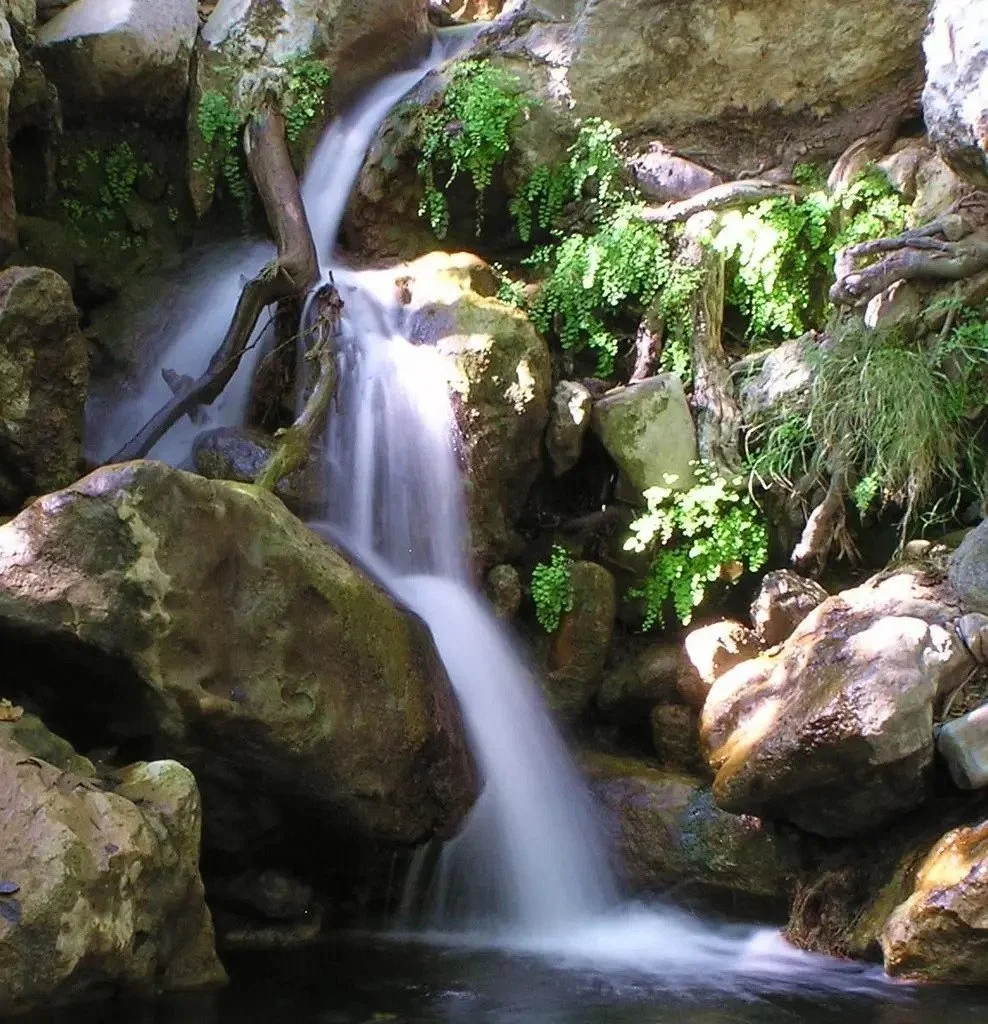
[[289, 276], [295, 442], [826, 526], [950, 248], [720, 197]]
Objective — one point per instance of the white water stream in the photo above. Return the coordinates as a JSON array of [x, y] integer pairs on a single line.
[[529, 870]]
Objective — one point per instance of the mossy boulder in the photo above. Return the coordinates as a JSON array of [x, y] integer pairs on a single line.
[[199, 619], [44, 374], [101, 889], [500, 379], [669, 832], [578, 649]]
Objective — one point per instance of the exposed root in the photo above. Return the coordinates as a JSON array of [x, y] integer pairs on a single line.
[[720, 197], [826, 526]]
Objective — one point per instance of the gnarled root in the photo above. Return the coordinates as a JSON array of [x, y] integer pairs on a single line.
[[950, 248]]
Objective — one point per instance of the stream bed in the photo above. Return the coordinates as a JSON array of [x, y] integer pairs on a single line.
[[366, 980]]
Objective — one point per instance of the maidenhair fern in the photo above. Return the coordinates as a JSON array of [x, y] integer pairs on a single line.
[[552, 588], [468, 133], [711, 532]]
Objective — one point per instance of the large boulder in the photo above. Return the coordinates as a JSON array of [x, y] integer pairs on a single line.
[[44, 375], [121, 59], [357, 40], [954, 103], [648, 430], [669, 832], [500, 379], [579, 647], [101, 889], [835, 732], [940, 933], [727, 85], [200, 619]]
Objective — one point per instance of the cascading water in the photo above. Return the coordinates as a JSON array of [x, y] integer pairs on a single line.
[[529, 869]]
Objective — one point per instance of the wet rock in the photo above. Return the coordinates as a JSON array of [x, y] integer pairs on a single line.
[[783, 600], [939, 933], [123, 60], [578, 648], [676, 739], [713, 650], [956, 47], [665, 177], [968, 569], [504, 590], [108, 894], [648, 430], [835, 732], [569, 420], [669, 832], [632, 688], [204, 618], [240, 454], [500, 379], [44, 374], [273, 894], [10, 67], [963, 744]]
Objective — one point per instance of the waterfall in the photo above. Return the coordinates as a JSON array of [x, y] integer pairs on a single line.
[[529, 868]]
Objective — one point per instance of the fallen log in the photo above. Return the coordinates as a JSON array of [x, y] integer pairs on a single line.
[[290, 275]]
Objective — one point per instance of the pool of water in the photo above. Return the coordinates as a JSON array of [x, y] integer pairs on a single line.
[[367, 980]]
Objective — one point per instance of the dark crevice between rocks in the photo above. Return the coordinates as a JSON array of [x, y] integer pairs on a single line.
[[92, 699]]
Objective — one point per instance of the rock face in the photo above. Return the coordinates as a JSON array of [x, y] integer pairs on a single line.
[[10, 67], [101, 890], [940, 933], [968, 571], [44, 373], [956, 46], [669, 831], [579, 646], [835, 732], [123, 60], [631, 689], [201, 619], [648, 430], [569, 420], [783, 600], [500, 378], [716, 82]]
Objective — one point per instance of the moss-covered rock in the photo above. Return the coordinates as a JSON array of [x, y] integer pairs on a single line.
[[578, 649], [10, 67], [44, 374], [206, 622], [101, 890], [669, 832], [500, 377]]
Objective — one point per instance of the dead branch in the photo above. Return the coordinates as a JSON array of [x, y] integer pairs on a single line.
[[290, 275], [826, 525], [648, 346], [720, 197], [295, 442]]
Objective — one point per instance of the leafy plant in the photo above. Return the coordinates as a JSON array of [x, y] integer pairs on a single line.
[[305, 93], [221, 126], [552, 588], [592, 157], [781, 251], [469, 133], [710, 532]]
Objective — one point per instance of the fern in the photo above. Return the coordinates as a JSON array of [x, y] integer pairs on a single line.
[[552, 588]]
